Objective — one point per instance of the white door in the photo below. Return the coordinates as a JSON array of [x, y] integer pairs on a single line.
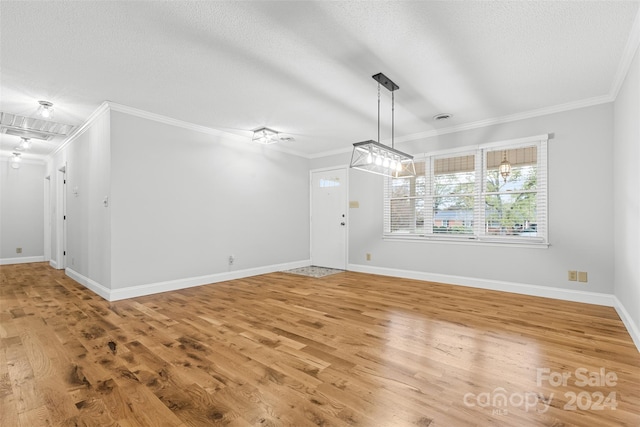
[[329, 218]]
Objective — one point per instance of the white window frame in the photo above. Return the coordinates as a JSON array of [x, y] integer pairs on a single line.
[[479, 237]]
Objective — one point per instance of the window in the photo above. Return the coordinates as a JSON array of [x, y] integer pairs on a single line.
[[454, 182], [460, 194]]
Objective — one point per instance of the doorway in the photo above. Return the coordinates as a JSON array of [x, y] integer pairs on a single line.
[[329, 224], [61, 218]]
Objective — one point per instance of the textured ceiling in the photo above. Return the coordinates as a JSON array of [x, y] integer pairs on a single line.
[[304, 68]]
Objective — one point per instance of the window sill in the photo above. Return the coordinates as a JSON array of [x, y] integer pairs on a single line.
[[469, 240]]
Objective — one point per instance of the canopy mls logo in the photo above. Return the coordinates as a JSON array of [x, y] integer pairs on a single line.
[[499, 401]]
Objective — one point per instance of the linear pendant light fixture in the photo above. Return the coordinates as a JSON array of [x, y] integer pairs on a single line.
[[375, 157]]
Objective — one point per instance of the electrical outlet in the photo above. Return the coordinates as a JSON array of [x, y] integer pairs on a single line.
[[232, 259], [582, 276], [18, 250], [573, 275], [368, 257]]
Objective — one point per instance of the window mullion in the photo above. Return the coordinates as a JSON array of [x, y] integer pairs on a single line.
[[478, 206], [412, 205], [428, 202], [543, 186]]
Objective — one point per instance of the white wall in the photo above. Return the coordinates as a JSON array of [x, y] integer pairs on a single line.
[[580, 230], [183, 201], [21, 212], [627, 196], [87, 161]]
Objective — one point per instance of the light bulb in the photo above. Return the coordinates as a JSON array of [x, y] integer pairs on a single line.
[[392, 165], [45, 110], [369, 158], [25, 144], [15, 161], [378, 160], [385, 163]]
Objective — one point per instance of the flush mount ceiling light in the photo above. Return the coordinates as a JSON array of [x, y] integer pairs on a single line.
[[265, 136], [45, 110], [25, 144], [372, 156], [15, 161]]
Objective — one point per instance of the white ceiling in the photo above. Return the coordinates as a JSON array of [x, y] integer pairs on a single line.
[[304, 68]]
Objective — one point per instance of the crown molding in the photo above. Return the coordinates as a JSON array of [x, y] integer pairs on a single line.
[[171, 121], [192, 126], [509, 118], [627, 56], [103, 108], [114, 106], [632, 46], [485, 123]]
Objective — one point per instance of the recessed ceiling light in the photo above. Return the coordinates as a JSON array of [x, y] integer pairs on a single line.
[[442, 116]]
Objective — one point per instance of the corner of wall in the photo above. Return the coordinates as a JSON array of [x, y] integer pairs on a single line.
[[632, 328]]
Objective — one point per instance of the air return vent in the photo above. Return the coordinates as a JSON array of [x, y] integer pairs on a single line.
[[30, 127]]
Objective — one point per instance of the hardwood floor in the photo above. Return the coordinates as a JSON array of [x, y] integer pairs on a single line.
[[286, 350]]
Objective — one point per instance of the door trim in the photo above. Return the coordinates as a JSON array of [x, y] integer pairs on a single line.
[[61, 212]]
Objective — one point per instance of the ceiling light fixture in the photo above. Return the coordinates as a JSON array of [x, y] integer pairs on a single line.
[[372, 156], [15, 161], [32, 127], [25, 144], [265, 136], [45, 110], [505, 166]]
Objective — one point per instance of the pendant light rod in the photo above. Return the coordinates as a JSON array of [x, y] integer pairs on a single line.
[[392, 87], [378, 112], [392, 119]]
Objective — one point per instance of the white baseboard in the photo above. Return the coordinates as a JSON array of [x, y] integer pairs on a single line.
[[21, 260], [174, 285], [96, 287], [632, 328], [517, 288], [494, 285], [53, 264]]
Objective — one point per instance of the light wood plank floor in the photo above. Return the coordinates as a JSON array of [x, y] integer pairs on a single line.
[[285, 350]]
